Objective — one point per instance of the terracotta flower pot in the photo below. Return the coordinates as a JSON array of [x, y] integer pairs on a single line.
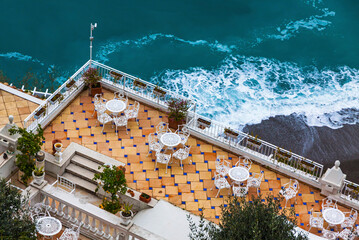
[[146, 200]]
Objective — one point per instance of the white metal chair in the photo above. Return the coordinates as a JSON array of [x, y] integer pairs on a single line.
[[153, 144], [240, 190], [103, 119], [246, 163], [255, 181], [72, 233], [289, 190], [120, 95], [39, 210], [329, 234], [183, 133], [182, 154], [328, 203], [163, 159], [99, 104], [120, 122], [220, 182], [347, 234], [161, 129], [316, 220], [222, 166], [132, 111], [350, 218]]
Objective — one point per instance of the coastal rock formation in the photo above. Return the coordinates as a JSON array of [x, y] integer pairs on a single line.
[[321, 144]]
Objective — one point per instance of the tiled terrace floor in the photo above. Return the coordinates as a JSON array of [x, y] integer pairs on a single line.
[[189, 188], [16, 106]]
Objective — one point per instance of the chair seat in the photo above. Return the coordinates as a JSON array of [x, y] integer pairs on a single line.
[[180, 154], [156, 147], [163, 158], [253, 182], [120, 121]]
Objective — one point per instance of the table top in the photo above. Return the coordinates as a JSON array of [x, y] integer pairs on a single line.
[[48, 226], [170, 139], [239, 174], [115, 106], [333, 216]]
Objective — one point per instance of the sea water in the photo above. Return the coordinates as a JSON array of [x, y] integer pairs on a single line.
[[242, 61]]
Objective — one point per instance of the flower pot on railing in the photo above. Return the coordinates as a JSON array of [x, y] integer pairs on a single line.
[[202, 123], [40, 113], [306, 167], [116, 76], [39, 175], [159, 92], [70, 84], [230, 133], [283, 157], [57, 98], [139, 84], [145, 198], [253, 142]]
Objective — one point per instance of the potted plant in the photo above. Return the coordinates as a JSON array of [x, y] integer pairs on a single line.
[[132, 193], [202, 123], [177, 111], [39, 175], [137, 83], [112, 181], [253, 142], [40, 113], [29, 143], [57, 98], [159, 92], [145, 197], [92, 79], [230, 133], [116, 76], [126, 213], [58, 147], [282, 156], [70, 84]]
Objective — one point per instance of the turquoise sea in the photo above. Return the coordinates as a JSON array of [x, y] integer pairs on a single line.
[[243, 61]]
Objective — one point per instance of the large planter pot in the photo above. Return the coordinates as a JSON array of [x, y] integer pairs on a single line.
[[40, 159], [53, 145], [174, 124], [58, 147], [95, 90], [126, 219], [146, 200], [38, 179]]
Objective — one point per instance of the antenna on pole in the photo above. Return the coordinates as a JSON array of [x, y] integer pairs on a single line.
[[92, 27]]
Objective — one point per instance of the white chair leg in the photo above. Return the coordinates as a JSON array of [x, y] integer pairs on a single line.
[[116, 130], [103, 126], [93, 113], [137, 122], [218, 192], [126, 130], [181, 164], [155, 166], [258, 192]]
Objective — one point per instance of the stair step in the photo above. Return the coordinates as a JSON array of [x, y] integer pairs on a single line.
[[80, 172], [86, 163], [80, 182]]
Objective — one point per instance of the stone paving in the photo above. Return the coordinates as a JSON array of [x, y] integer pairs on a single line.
[[13, 105], [189, 188]]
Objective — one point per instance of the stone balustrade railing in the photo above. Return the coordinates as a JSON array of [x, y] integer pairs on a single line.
[[95, 223]]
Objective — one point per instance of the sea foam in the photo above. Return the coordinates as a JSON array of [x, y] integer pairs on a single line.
[[20, 57], [246, 90]]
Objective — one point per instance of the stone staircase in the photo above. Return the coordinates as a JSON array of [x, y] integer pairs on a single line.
[[81, 171]]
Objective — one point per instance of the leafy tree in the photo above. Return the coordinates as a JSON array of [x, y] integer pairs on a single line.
[[15, 219], [28, 144], [112, 180], [250, 220]]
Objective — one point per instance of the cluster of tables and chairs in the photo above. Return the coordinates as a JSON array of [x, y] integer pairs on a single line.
[[110, 111], [48, 226], [239, 177], [333, 222], [164, 140]]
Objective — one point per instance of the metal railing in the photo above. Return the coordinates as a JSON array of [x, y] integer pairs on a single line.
[[350, 191], [237, 140], [49, 107], [137, 86]]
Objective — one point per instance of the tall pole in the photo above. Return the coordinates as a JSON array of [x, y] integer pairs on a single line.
[[92, 27]]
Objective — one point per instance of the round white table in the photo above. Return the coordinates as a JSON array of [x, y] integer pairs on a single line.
[[48, 226], [170, 140], [115, 106], [333, 216], [239, 174]]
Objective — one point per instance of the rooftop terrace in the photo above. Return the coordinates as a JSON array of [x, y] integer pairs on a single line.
[[191, 188]]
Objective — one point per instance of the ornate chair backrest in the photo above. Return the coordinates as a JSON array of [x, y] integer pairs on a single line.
[[152, 139], [329, 203], [39, 210], [294, 185], [162, 128]]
